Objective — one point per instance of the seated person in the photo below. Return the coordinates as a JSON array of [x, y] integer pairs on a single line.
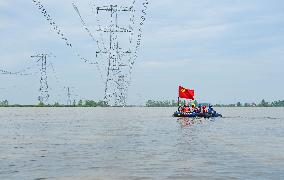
[[198, 109], [186, 108], [211, 110], [180, 108], [192, 108]]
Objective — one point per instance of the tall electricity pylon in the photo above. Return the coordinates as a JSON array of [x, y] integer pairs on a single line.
[[118, 58], [43, 89]]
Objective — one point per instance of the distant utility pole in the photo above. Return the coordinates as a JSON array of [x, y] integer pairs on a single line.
[[69, 96], [43, 89], [69, 103]]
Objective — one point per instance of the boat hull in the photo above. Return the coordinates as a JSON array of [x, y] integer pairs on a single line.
[[193, 115]]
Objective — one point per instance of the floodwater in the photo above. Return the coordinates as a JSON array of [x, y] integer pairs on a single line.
[[140, 143]]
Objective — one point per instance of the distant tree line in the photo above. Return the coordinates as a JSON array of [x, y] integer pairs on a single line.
[[81, 103], [4, 103], [166, 103], [173, 103], [263, 103], [149, 103], [92, 103]]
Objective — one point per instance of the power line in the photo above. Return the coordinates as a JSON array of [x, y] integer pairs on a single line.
[[120, 58], [116, 58]]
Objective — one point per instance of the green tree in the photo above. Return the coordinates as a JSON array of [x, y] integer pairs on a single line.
[[90, 103], [40, 104], [102, 104], [4, 103], [263, 103], [74, 103], [239, 104], [80, 103]]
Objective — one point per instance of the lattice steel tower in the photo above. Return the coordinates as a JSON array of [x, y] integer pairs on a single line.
[[117, 76], [43, 89]]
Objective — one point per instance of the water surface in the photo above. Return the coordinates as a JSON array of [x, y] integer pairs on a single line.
[[140, 143]]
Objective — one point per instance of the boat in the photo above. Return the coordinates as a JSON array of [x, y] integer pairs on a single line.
[[201, 112], [194, 115]]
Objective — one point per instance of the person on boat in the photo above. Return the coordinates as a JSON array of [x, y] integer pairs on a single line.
[[186, 108], [193, 108], [198, 109], [203, 109], [180, 108], [211, 110]]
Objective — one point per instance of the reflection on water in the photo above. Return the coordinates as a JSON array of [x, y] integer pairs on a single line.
[[185, 121], [140, 143]]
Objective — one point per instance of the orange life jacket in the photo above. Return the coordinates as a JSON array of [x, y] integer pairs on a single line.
[[186, 109]]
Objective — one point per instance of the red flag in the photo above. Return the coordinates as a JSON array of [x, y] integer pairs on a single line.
[[185, 93]]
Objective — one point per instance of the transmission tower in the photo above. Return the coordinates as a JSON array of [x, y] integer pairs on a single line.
[[117, 67], [117, 54], [43, 89], [69, 102], [68, 93]]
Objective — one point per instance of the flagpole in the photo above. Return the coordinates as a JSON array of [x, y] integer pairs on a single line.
[[178, 97]]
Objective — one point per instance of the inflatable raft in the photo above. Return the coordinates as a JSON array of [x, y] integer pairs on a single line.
[[193, 115]]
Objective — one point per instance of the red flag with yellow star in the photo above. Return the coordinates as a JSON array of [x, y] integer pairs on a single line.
[[185, 93]]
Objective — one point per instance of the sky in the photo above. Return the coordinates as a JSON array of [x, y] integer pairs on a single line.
[[226, 50]]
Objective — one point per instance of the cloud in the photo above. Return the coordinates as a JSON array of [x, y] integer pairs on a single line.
[[4, 4], [229, 43]]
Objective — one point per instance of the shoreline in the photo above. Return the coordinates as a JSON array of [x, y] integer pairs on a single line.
[[34, 106]]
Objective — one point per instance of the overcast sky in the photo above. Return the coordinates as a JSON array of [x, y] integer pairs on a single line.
[[226, 50]]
